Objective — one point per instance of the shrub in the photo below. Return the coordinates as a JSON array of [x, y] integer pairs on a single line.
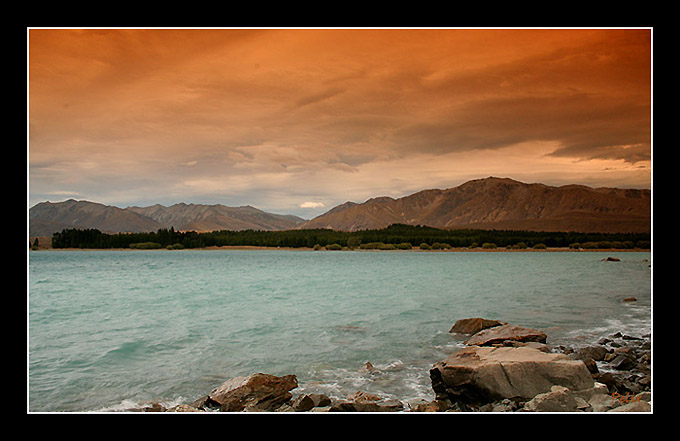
[[425, 246], [175, 246], [440, 246], [317, 247], [353, 242], [489, 246], [473, 245], [387, 246], [145, 246], [540, 246], [333, 247], [404, 246]]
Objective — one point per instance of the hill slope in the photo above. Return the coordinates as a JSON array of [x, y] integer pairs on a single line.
[[501, 203], [47, 217], [200, 217]]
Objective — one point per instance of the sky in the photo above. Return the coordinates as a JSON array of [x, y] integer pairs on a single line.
[[297, 121]]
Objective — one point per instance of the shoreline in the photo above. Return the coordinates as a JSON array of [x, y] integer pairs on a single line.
[[413, 250], [44, 244], [612, 375]]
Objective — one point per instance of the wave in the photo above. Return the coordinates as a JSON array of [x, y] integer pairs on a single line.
[[128, 405], [635, 327], [126, 351]]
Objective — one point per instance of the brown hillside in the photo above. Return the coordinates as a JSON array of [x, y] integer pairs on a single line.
[[501, 203]]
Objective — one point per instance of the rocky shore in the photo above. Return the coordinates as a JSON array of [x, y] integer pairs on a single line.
[[502, 368]]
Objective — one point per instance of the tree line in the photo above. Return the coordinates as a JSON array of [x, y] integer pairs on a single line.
[[397, 235]]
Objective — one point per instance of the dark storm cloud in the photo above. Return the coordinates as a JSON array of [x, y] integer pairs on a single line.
[[587, 126]]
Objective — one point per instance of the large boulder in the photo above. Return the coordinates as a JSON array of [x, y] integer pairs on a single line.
[[503, 333], [478, 375], [473, 325], [257, 392]]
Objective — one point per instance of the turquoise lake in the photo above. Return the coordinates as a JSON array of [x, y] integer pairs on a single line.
[[110, 330]]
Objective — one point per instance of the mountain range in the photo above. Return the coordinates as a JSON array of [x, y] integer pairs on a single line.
[[490, 203], [46, 218]]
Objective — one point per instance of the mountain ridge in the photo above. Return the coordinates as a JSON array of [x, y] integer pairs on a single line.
[[47, 218], [486, 203], [500, 203]]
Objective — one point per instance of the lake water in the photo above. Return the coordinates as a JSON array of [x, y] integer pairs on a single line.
[[109, 330]]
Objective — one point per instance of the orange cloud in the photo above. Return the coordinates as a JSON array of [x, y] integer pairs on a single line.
[[266, 108]]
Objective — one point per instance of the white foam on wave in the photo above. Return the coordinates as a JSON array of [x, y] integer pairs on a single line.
[[128, 405], [633, 326], [124, 405], [395, 379]]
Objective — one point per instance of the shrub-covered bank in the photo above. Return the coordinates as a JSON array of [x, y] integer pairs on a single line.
[[393, 237]]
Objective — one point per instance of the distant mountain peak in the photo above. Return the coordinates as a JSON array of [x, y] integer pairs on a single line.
[[381, 199]]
